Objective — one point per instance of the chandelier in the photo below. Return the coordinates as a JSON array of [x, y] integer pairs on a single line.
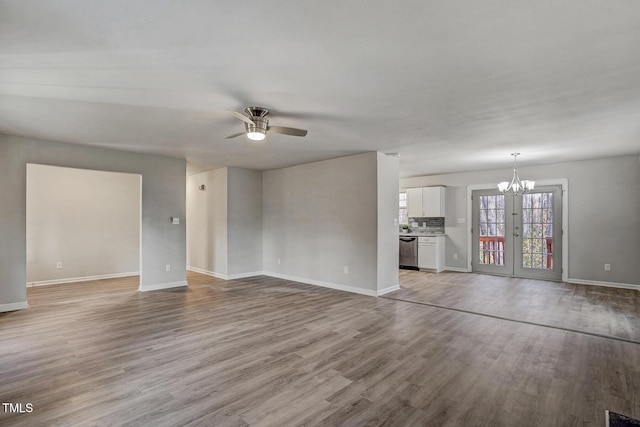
[[517, 186]]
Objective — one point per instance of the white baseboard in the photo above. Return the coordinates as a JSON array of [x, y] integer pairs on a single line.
[[225, 276], [607, 284], [13, 306], [82, 279], [389, 289], [207, 272], [244, 275], [456, 269], [160, 286], [337, 286]]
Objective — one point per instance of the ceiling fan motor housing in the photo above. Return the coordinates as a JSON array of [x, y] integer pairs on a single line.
[[260, 125], [256, 112], [256, 125], [259, 117]]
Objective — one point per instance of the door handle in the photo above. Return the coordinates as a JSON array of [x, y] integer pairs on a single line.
[[516, 235]]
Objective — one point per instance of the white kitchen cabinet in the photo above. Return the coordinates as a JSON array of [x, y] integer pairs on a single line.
[[414, 202], [431, 253], [433, 201], [425, 202]]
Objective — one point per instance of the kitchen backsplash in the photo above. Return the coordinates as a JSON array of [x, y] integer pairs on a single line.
[[428, 225]]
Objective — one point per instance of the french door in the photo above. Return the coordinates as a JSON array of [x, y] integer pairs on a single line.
[[518, 235]]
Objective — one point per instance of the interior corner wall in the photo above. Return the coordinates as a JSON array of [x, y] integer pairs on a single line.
[[388, 248], [163, 196], [87, 220], [207, 222], [224, 222], [321, 217], [244, 221], [604, 205]]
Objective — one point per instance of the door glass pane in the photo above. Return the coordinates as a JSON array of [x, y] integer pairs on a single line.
[[491, 223], [491, 202], [491, 216], [537, 230]]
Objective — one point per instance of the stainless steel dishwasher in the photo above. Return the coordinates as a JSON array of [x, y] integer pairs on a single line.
[[409, 252]]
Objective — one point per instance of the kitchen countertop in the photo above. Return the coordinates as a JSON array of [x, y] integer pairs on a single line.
[[422, 234]]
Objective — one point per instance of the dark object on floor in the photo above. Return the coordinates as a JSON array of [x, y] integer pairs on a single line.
[[618, 420]]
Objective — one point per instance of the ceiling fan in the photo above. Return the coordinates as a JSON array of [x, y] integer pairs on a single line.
[[256, 125]]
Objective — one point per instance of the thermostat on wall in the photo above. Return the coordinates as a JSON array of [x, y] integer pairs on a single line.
[[175, 221]]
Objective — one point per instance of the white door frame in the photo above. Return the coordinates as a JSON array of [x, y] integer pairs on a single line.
[[564, 182]]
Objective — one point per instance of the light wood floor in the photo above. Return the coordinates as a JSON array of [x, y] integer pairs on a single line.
[[265, 351]]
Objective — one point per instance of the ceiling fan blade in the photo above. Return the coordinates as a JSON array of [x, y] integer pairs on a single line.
[[235, 135], [241, 117], [287, 131]]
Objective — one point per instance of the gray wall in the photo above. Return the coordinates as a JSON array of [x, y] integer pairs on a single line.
[[207, 221], [163, 196], [316, 218], [224, 226], [88, 220], [604, 209], [388, 182], [244, 221], [319, 218]]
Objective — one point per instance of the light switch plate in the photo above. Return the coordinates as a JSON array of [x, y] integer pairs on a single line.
[[175, 221]]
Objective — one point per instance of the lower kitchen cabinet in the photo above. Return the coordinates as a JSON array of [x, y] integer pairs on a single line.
[[431, 253]]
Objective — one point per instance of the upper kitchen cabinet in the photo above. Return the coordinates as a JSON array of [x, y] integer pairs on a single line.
[[414, 202], [433, 201], [425, 202]]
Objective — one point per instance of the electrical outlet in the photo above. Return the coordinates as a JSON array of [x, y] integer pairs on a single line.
[[346, 269], [59, 265], [279, 261], [168, 267], [607, 267], [455, 256]]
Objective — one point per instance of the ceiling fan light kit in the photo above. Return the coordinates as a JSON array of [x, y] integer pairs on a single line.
[[256, 125], [517, 186], [256, 136]]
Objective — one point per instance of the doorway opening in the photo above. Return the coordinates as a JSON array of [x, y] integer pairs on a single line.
[[82, 225], [519, 236]]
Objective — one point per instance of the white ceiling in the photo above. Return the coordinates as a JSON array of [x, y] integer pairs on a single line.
[[451, 85]]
